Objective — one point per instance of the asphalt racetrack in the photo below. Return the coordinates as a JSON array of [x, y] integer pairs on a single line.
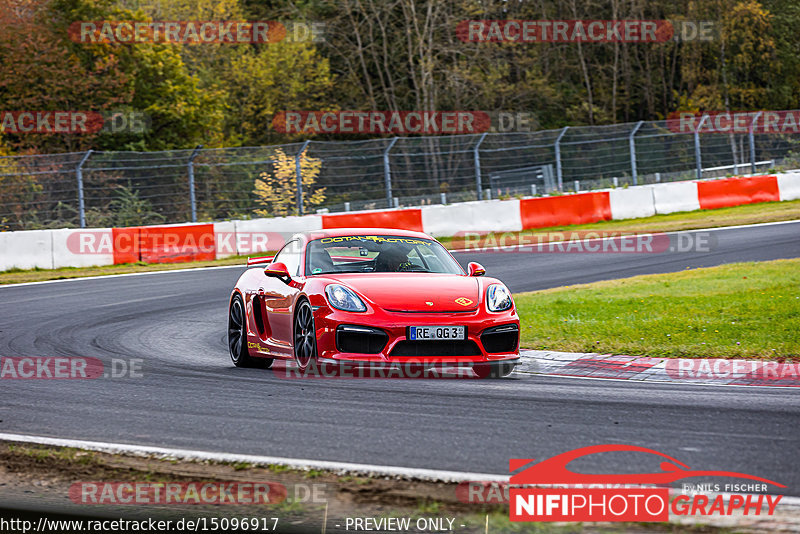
[[191, 396]]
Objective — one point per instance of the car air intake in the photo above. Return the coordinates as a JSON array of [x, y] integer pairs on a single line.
[[360, 339], [500, 338], [436, 348]]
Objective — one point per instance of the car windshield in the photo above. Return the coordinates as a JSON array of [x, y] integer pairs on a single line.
[[379, 254]]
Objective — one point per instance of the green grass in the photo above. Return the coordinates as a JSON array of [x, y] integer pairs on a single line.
[[743, 310], [278, 468], [241, 466], [66, 454]]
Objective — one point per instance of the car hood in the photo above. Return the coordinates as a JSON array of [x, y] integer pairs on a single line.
[[415, 292]]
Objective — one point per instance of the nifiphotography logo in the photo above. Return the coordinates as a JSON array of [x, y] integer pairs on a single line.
[[571, 496]]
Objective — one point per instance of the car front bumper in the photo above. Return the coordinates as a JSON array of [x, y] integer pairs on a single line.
[[484, 330]]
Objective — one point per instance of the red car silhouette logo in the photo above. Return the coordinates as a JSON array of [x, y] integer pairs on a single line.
[[554, 470]]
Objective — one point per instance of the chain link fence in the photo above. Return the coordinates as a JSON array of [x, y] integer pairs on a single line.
[[99, 189]]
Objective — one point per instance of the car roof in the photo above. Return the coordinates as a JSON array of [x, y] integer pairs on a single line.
[[338, 232]]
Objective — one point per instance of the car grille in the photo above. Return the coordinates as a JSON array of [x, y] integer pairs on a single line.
[[500, 338], [462, 311], [360, 339], [436, 348]]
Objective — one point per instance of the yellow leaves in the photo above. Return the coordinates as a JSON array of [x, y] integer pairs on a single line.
[[193, 10], [277, 190], [742, 56], [746, 29], [4, 148], [278, 77]]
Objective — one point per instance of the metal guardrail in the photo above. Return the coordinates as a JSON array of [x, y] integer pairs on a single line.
[[99, 188]]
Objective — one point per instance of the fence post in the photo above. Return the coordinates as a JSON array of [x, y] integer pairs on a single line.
[[697, 157], [299, 177], [79, 177], [632, 144], [387, 173], [192, 197], [559, 176], [752, 140], [477, 158]]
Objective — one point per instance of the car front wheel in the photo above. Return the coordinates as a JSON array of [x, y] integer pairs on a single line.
[[305, 337]]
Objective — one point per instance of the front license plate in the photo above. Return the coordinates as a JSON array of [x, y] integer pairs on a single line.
[[431, 333]]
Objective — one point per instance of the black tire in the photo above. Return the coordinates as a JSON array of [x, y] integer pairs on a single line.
[[493, 370], [237, 337], [304, 335]]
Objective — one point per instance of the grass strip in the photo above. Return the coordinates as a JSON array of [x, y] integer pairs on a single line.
[[741, 310]]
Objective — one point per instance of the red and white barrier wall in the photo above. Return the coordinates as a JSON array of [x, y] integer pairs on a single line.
[[50, 249]]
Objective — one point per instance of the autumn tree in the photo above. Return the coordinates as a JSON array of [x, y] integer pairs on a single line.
[[39, 72], [273, 77], [735, 70], [276, 190]]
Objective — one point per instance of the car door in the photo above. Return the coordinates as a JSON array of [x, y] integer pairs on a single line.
[[278, 298]]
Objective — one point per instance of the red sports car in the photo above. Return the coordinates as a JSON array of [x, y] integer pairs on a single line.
[[371, 297]]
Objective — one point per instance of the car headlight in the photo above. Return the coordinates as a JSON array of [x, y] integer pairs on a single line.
[[343, 298], [498, 298]]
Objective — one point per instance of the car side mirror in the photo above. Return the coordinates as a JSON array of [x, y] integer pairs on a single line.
[[278, 270], [475, 269]]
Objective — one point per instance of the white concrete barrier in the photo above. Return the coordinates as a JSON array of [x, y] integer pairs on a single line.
[[675, 196], [225, 239], [482, 217], [85, 247], [26, 249], [632, 203], [789, 185], [263, 235], [49, 249]]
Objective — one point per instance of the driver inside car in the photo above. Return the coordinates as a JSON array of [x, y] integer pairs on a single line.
[[392, 259], [320, 261]]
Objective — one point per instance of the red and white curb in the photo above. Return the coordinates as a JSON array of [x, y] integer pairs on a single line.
[[699, 371]]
